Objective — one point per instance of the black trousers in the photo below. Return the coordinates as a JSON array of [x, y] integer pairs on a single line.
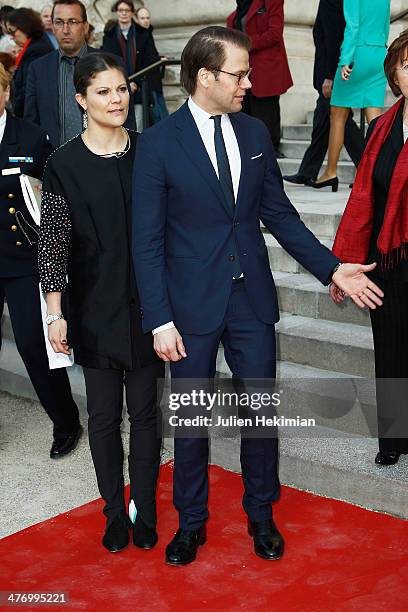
[[52, 386], [390, 333], [314, 155], [267, 110], [104, 392]]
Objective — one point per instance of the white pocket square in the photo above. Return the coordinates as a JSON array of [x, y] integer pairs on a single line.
[[257, 156]]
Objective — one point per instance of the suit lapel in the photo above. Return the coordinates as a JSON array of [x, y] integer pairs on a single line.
[[191, 141], [53, 89]]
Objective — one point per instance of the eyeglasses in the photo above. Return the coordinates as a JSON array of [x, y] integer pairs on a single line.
[[240, 76], [71, 23], [124, 11]]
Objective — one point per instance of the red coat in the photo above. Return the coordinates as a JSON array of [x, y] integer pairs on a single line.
[[268, 60]]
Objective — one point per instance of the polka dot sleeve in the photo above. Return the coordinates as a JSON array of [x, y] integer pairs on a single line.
[[53, 244]]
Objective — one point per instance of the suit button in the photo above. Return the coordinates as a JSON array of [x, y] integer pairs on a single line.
[[12, 210], [231, 258], [18, 243], [10, 196], [13, 228]]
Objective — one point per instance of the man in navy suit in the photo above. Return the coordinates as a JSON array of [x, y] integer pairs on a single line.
[[203, 180]]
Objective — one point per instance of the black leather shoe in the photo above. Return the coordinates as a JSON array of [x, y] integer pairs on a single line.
[[333, 183], [144, 536], [387, 458], [279, 154], [63, 446], [296, 179], [268, 542], [183, 547], [116, 536]]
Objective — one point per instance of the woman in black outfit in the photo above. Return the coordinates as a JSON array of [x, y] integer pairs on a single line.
[[86, 234], [385, 186], [26, 28], [134, 44]]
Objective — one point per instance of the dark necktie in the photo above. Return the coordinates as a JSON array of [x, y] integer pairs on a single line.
[[224, 170], [225, 178]]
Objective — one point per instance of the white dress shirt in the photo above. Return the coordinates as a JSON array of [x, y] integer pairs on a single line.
[[206, 127], [3, 120]]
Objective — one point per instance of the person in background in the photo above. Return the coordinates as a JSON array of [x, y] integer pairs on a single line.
[[328, 32], [133, 44], [90, 37], [159, 108], [263, 22], [7, 44], [26, 28], [86, 233], [50, 95], [9, 62], [19, 281], [359, 81], [46, 18], [374, 227]]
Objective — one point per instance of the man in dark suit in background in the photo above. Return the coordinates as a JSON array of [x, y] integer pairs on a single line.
[[203, 179], [50, 93], [328, 32]]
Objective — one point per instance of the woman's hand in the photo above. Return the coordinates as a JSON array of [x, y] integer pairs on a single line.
[[345, 72], [336, 294], [57, 335]]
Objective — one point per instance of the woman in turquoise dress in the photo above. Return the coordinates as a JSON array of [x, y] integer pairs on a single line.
[[360, 80]]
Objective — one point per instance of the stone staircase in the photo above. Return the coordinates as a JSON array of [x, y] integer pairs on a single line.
[[296, 139]]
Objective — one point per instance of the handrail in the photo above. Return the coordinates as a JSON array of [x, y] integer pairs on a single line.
[[161, 62], [399, 16]]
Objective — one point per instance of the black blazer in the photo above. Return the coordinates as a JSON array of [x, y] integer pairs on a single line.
[[328, 33], [36, 49], [41, 101], [104, 318], [20, 139]]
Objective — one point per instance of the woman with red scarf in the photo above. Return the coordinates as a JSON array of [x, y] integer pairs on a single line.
[[374, 227], [26, 28]]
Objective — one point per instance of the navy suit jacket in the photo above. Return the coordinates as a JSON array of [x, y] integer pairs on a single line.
[[183, 234], [41, 97]]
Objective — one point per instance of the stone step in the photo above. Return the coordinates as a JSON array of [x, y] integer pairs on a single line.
[[341, 468], [296, 149], [280, 260], [336, 346], [327, 345], [303, 295], [346, 170]]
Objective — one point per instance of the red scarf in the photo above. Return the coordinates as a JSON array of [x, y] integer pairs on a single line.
[[353, 236], [23, 50]]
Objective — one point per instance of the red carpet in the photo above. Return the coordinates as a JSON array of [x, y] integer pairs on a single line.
[[338, 557]]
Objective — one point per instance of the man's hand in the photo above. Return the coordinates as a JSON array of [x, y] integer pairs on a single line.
[[327, 88], [351, 279], [345, 72], [57, 335], [336, 294], [133, 87], [169, 346]]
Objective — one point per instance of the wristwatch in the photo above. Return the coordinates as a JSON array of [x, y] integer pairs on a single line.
[[53, 317]]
